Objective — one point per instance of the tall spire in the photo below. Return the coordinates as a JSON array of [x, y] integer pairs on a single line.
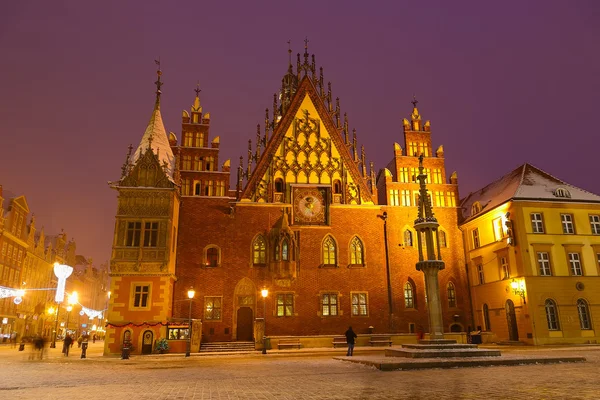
[[289, 55], [158, 84]]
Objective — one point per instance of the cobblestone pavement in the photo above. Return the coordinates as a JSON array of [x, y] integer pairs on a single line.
[[286, 375]]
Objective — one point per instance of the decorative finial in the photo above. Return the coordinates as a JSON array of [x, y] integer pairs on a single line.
[[289, 42], [306, 45], [158, 83], [415, 101], [197, 90]]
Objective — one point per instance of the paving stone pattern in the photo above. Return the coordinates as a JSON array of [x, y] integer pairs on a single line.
[[289, 374]]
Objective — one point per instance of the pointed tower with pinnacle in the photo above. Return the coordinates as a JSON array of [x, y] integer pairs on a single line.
[[142, 265]]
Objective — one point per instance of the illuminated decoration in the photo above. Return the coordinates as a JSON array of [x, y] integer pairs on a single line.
[[91, 313], [62, 272], [509, 230], [17, 300], [16, 293]]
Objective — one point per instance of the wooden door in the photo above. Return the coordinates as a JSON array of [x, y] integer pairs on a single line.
[[511, 320], [147, 342], [244, 324]]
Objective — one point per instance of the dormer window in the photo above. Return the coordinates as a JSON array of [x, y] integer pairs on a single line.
[[562, 192], [475, 208]]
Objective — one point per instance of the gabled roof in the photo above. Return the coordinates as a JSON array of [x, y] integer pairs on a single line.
[[157, 135], [524, 183], [306, 88]]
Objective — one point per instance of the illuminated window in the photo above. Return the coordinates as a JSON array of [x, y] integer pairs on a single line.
[[567, 223], [134, 233], [210, 163], [212, 308], [405, 197], [187, 163], [575, 264], [285, 304], [498, 229], [177, 333], [584, 314], [140, 297], [595, 224], [413, 149], [356, 252], [475, 235], [537, 223], [451, 295], [409, 299], [185, 187], [212, 256], [423, 149], [151, 234], [439, 199], [394, 197], [188, 139], [403, 175], [259, 250], [437, 176], [504, 271], [543, 259], [359, 305], [220, 188], [199, 139], [414, 173], [329, 304], [475, 208], [450, 199], [285, 251], [329, 251], [408, 242], [551, 315], [208, 188], [480, 274]]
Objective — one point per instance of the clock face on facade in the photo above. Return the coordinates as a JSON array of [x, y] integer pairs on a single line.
[[309, 205]]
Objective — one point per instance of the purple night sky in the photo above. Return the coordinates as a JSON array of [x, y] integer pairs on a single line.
[[503, 83]]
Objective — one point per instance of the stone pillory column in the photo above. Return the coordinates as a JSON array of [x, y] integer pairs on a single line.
[[431, 262]]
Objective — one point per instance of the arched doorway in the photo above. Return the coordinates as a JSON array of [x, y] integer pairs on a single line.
[[511, 320], [244, 310], [147, 341], [244, 324]]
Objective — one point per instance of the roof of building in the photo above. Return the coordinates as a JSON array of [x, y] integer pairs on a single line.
[[525, 183], [156, 137]]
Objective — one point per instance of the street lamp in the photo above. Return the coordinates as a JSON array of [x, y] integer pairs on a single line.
[[384, 217], [191, 293], [264, 293], [69, 308], [51, 311], [519, 288]]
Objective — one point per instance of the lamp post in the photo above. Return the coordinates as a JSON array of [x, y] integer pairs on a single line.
[[55, 312], [69, 308], [191, 293], [387, 267], [264, 293]]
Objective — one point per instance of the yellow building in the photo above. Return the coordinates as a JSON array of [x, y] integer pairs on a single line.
[[532, 245]]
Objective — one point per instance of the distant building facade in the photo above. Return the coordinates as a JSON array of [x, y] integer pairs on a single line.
[[306, 221], [533, 251]]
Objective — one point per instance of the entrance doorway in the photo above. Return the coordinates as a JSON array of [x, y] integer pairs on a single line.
[[244, 324], [511, 320], [147, 342]]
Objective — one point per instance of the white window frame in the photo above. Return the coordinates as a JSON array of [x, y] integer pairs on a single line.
[[567, 224], [543, 261], [595, 224], [575, 264], [537, 222]]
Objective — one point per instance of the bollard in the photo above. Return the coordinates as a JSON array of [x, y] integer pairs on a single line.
[[21, 346], [125, 351], [84, 347]]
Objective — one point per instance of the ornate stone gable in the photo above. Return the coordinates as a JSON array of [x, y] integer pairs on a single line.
[[307, 148], [147, 172]]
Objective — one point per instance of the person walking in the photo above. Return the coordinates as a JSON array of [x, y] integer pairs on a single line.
[[350, 336], [67, 343]]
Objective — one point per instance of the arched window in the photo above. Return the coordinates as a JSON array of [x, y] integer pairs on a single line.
[[584, 314], [278, 185], [408, 242], [337, 187], [259, 250], [285, 252], [356, 252], [451, 295], [486, 318], [212, 257], [409, 293], [276, 254], [551, 315], [442, 238], [329, 251], [562, 192]]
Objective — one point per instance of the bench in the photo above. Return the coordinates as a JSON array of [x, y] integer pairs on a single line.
[[289, 343], [381, 340], [339, 341]]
